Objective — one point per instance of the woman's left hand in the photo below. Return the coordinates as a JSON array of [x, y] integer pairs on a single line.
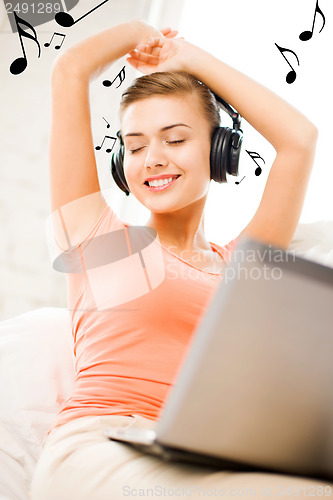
[[160, 54]]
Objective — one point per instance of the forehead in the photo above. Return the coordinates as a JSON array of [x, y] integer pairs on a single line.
[[156, 112]]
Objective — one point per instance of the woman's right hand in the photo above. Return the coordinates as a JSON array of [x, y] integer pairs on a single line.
[[165, 53]]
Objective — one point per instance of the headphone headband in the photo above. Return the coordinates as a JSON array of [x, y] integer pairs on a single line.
[[236, 118]]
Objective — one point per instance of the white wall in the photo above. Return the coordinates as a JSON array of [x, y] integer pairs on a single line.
[[243, 34]]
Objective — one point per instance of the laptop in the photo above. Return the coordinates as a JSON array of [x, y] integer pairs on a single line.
[[255, 391]]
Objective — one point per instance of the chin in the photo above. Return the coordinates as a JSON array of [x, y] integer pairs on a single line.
[[159, 203]]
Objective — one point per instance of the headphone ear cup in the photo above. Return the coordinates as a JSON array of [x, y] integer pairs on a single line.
[[117, 169], [236, 140], [217, 164], [224, 154]]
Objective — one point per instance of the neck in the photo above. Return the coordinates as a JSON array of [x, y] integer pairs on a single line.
[[183, 229]]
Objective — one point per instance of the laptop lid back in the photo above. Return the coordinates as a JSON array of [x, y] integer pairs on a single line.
[[256, 383]]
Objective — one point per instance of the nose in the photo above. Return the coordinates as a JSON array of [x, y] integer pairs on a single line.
[[155, 156]]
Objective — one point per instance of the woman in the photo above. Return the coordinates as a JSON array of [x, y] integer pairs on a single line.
[[130, 340]]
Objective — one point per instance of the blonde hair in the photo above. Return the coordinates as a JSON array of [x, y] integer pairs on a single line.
[[169, 84]]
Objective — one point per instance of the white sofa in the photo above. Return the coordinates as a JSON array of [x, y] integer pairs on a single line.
[[37, 372]]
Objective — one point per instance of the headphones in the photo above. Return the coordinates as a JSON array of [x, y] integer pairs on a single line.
[[224, 152]]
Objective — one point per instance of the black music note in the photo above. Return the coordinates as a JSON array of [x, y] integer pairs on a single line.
[[255, 156], [66, 20], [121, 76], [108, 124], [238, 182], [20, 64], [107, 137], [306, 35], [57, 47], [291, 76]]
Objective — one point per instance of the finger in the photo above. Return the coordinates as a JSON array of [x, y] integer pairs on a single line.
[[150, 44], [167, 31], [141, 55], [148, 49], [172, 34], [143, 68], [156, 41], [146, 58], [165, 50], [144, 49]]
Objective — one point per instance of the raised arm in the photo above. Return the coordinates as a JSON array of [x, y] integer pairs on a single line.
[[292, 135], [73, 172]]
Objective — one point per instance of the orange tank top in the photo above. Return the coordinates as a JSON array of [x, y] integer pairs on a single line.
[[134, 307]]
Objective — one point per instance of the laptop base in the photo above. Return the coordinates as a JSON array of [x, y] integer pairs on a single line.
[[172, 454]]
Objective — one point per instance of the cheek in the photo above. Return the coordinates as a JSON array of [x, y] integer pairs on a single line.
[[131, 169], [201, 160], [195, 154]]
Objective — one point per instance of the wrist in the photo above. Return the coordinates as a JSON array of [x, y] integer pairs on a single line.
[[194, 60], [142, 31]]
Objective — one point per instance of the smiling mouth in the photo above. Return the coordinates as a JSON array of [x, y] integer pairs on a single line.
[[161, 187]]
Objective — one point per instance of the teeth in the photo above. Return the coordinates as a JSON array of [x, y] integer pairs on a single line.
[[160, 182]]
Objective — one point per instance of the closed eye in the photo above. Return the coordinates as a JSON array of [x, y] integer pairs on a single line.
[[176, 142], [132, 151]]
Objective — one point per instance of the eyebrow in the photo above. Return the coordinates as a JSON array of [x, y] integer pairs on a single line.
[[168, 127]]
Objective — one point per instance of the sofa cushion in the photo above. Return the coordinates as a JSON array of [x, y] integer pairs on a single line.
[[36, 372]]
